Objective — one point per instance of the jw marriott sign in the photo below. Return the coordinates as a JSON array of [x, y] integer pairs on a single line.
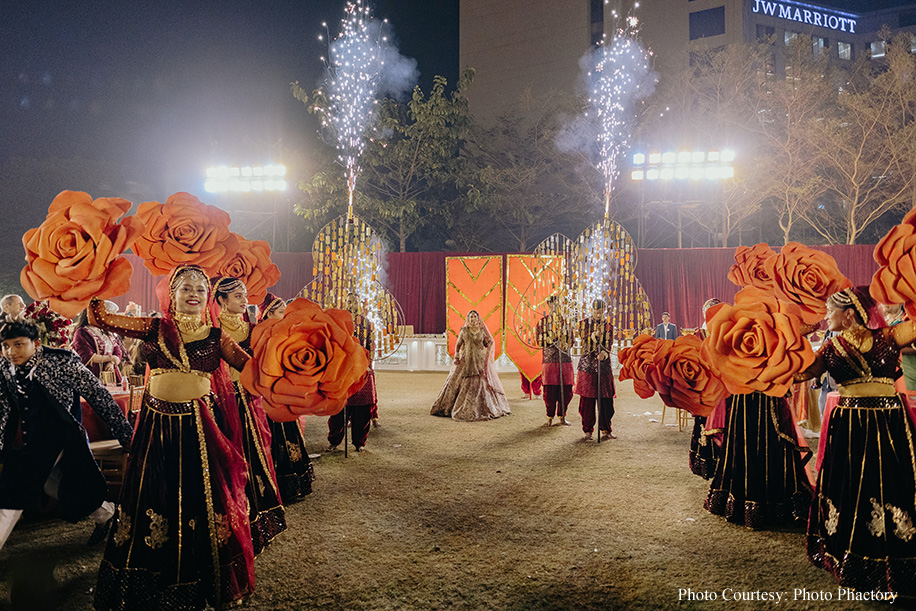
[[810, 15]]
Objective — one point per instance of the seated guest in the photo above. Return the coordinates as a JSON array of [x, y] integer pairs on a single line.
[[45, 449], [12, 307], [98, 349]]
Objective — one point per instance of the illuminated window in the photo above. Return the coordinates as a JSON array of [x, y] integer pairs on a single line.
[[790, 36], [877, 49], [844, 50], [710, 22], [818, 45], [912, 43]]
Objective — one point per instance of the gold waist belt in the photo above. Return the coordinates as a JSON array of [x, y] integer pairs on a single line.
[[175, 409]]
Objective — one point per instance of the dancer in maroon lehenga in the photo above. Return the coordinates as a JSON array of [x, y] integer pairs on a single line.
[[292, 465], [265, 509], [861, 526], [181, 539]]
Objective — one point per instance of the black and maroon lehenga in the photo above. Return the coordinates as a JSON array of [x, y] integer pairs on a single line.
[[181, 537], [265, 507], [704, 453], [292, 465], [861, 527], [760, 478]]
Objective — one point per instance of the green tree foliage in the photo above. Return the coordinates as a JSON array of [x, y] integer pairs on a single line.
[[528, 189]]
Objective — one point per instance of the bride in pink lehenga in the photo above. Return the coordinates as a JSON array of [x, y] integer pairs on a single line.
[[473, 390]]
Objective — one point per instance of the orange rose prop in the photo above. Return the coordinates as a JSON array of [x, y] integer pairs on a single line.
[[748, 269], [895, 280], [635, 363], [756, 344], [75, 254], [306, 363], [184, 231], [684, 378], [805, 277], [252, 265]]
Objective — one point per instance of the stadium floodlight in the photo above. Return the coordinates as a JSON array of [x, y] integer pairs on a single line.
[[684, 165], [245, 179]]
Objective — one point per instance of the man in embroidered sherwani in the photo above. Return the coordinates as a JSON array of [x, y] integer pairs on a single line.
[[555, 336], [45, 448]]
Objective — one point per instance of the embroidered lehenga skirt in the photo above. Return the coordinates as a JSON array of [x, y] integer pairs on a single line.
[[704, 453], [861, 527], [180, 539], [265, 509], [294, 470], [760, 477]]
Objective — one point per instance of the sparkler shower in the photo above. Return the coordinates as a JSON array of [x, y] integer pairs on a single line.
[[362, 64], [617, 76]]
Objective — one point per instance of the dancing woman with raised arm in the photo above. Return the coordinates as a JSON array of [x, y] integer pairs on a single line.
[[472, 390], [181, 539], [861, 526]]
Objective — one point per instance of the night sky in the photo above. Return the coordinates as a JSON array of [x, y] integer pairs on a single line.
[[171, 86]]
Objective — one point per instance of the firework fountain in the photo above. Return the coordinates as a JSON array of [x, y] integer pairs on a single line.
[[348, 254]]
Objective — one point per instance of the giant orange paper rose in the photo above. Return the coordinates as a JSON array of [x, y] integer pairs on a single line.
[[252, 265], [895, 280], [306, 363], [749, 269], [75, 254], [184, 231], [684, 378], [805, 277], [756, 344], [635, 363]]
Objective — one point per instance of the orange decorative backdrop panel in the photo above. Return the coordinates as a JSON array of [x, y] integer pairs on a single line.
[[530, 280], [474, 283]]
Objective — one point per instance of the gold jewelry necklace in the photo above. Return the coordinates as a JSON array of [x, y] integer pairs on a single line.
[[230, 322], [187, 323], [855, 336]]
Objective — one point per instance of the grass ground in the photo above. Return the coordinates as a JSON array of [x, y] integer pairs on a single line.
[[505, 514]]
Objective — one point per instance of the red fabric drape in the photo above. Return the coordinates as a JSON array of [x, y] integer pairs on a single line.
[[675, 280]]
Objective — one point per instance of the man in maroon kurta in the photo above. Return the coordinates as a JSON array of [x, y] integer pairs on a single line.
[[360, 405], [596, 336], [555, 336]]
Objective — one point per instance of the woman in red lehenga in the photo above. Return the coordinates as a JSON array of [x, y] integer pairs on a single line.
[[294, 470], [181, 539], [252, 433], [861, 526]]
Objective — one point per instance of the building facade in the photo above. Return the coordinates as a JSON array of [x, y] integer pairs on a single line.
[[535, 46]]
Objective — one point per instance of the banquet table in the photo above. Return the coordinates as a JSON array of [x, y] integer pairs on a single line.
[[95, 426]]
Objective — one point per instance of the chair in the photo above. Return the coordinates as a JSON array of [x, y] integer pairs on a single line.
[[112, 461], [683, 418], [108, 378], [136, 398]]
